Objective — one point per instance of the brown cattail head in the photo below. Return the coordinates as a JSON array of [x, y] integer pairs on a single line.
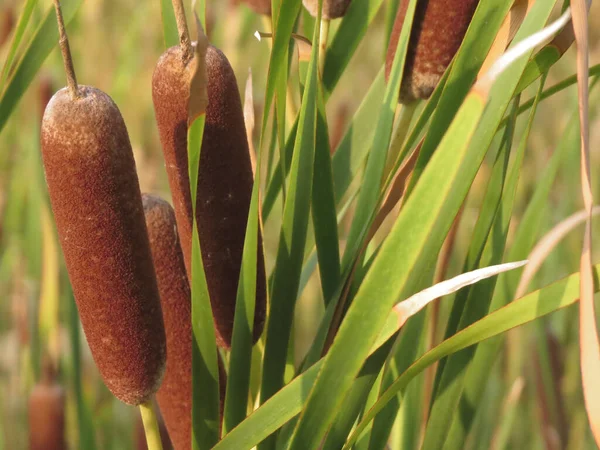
[[7, 23], [439, 27], [98, 210], [332, 9], [260, 6], [225, 180], [47, 413], [175, 394]]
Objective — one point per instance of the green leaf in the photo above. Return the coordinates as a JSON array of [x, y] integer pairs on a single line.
[[205, 372], [558, 295], [170, 33], [352, 29], [292, 239], [44, 40]]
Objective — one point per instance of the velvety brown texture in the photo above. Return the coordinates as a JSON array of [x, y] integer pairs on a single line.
[[439, 27], [98, 211], [46, 411], [260, 6], [224, 185], [332, 9], [175, 394]]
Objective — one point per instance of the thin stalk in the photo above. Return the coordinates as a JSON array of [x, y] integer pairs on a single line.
[[324, 37], [182, 29], [150, 426], [66, 52]]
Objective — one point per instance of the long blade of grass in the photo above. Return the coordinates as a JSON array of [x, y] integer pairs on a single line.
[[540, 303], [292, 239], [412, 233], [44, 40], [170, 33]]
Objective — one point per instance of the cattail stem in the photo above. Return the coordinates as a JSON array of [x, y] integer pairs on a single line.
[[182, 29], [66, 51], [150, 426], [407, 112], [323, 38]]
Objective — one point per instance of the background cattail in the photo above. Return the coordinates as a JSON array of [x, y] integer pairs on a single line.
[[47, 413], [224, 184], [7, 23], [260, 6], [97, 206], [332, 9], [438, 29]]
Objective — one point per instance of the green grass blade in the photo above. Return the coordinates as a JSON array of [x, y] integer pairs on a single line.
[[44, 40], [240, 359], [420, 228], [556, 296], [486, 22], [352, 29], [323, 209], [447, 396], [374, 171], [17, 38], [205, 373], [525, 239], [292, 240], [170, 33]]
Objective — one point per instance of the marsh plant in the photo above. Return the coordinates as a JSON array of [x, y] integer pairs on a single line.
[[367, 224]]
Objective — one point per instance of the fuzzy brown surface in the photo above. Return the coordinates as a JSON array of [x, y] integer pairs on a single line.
[[260, 6], [224, 185], [175, 394], [439, 27], [98, 211], [332, 9], [46, 411]]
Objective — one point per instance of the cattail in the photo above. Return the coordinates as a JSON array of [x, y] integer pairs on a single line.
[[175, 394], [225, 179], [260, 6], [47, 413], [332, 9], [438, 29]]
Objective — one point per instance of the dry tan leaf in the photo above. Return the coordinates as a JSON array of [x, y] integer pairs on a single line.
[[249, 120], [588, 334]]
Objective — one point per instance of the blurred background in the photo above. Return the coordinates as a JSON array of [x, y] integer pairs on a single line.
[[115, 46]]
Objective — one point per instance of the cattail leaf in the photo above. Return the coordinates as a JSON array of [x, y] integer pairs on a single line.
[[351, 31], [540, 303], [17, 38], [288, 402], [170, 33], [205, 376], [44, 40], [450, 376], [292, 239]]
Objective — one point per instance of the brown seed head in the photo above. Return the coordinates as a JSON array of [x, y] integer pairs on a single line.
[[439, 27], [98, 210], [175, 394], [224, 185], [332, 9], [47, 414]]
